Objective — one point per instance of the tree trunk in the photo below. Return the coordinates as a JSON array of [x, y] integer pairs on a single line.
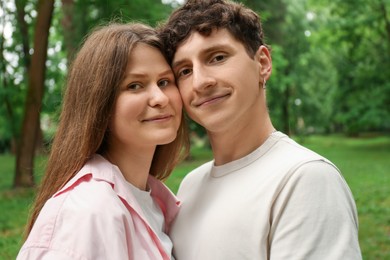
[[36, 76], [69, 28], [23, 27], [387, 21]]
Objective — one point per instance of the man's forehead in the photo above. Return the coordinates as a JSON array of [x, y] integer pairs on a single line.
[[197, 43]]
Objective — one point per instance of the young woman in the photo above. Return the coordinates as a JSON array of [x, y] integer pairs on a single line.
[[120, 134]]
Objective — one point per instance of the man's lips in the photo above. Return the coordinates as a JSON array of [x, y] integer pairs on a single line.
[[158, 118], [210, 99]]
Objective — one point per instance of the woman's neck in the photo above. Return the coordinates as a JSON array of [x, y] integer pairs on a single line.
[[134, 164]]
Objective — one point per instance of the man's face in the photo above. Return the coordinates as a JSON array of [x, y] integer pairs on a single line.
[[218, 81]]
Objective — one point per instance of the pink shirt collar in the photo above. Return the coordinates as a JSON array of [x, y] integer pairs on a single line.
[[99, 168]]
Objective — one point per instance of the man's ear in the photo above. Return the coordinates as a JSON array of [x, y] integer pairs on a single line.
[[263, 56]]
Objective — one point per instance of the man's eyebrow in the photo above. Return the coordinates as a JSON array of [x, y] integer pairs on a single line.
[[205, 51], [178, 63], [215, 48]]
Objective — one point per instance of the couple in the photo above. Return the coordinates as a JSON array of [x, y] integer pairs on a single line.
[[122, 131]]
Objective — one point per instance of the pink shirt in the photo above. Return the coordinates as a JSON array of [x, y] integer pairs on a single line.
[[95, 216]]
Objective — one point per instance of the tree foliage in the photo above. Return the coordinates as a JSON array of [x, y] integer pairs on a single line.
[[331, 61], [330, 64], [25, 84]]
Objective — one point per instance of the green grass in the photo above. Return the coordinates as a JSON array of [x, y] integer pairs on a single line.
[[364, 163], [14, 206]]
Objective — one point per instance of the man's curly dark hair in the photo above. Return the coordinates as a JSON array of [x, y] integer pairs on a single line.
[[205, 15]]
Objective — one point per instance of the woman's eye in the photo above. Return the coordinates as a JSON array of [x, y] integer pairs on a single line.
[[163, 83], [134, 86]]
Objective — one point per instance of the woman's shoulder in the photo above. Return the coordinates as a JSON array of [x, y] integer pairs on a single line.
[[91, 197], [84, 215]]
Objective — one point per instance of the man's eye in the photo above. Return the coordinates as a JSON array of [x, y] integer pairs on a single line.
[[163, 83], [134, 86], [184, 72], [219, 57]]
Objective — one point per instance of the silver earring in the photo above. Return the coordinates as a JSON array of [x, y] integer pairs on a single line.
[[264, 84]]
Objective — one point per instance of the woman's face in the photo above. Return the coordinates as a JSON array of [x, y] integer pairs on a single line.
[[149, 107]]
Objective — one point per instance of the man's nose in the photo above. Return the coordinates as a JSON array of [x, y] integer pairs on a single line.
[[202, 78]]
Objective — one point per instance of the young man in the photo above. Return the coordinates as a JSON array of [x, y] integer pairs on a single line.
[[263, 196]]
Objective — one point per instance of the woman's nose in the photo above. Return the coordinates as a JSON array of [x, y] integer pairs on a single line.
[[158, 97]]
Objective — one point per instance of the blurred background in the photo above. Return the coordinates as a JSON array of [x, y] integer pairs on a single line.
[[329, 90]]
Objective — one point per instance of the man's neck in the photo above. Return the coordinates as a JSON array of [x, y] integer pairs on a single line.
[[236, 143]]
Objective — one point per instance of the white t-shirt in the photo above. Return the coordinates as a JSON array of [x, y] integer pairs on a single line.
[[282, 201], [153, 215]]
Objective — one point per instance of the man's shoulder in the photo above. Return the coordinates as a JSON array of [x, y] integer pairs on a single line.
[[289, 149], [196, 176], [199, 172]]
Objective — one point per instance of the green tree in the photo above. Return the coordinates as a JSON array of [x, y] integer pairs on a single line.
[[36, 75], [12, 72], [55, 50], [358, 33]]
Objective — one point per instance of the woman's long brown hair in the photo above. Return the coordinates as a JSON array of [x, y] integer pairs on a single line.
[[89, 98]]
